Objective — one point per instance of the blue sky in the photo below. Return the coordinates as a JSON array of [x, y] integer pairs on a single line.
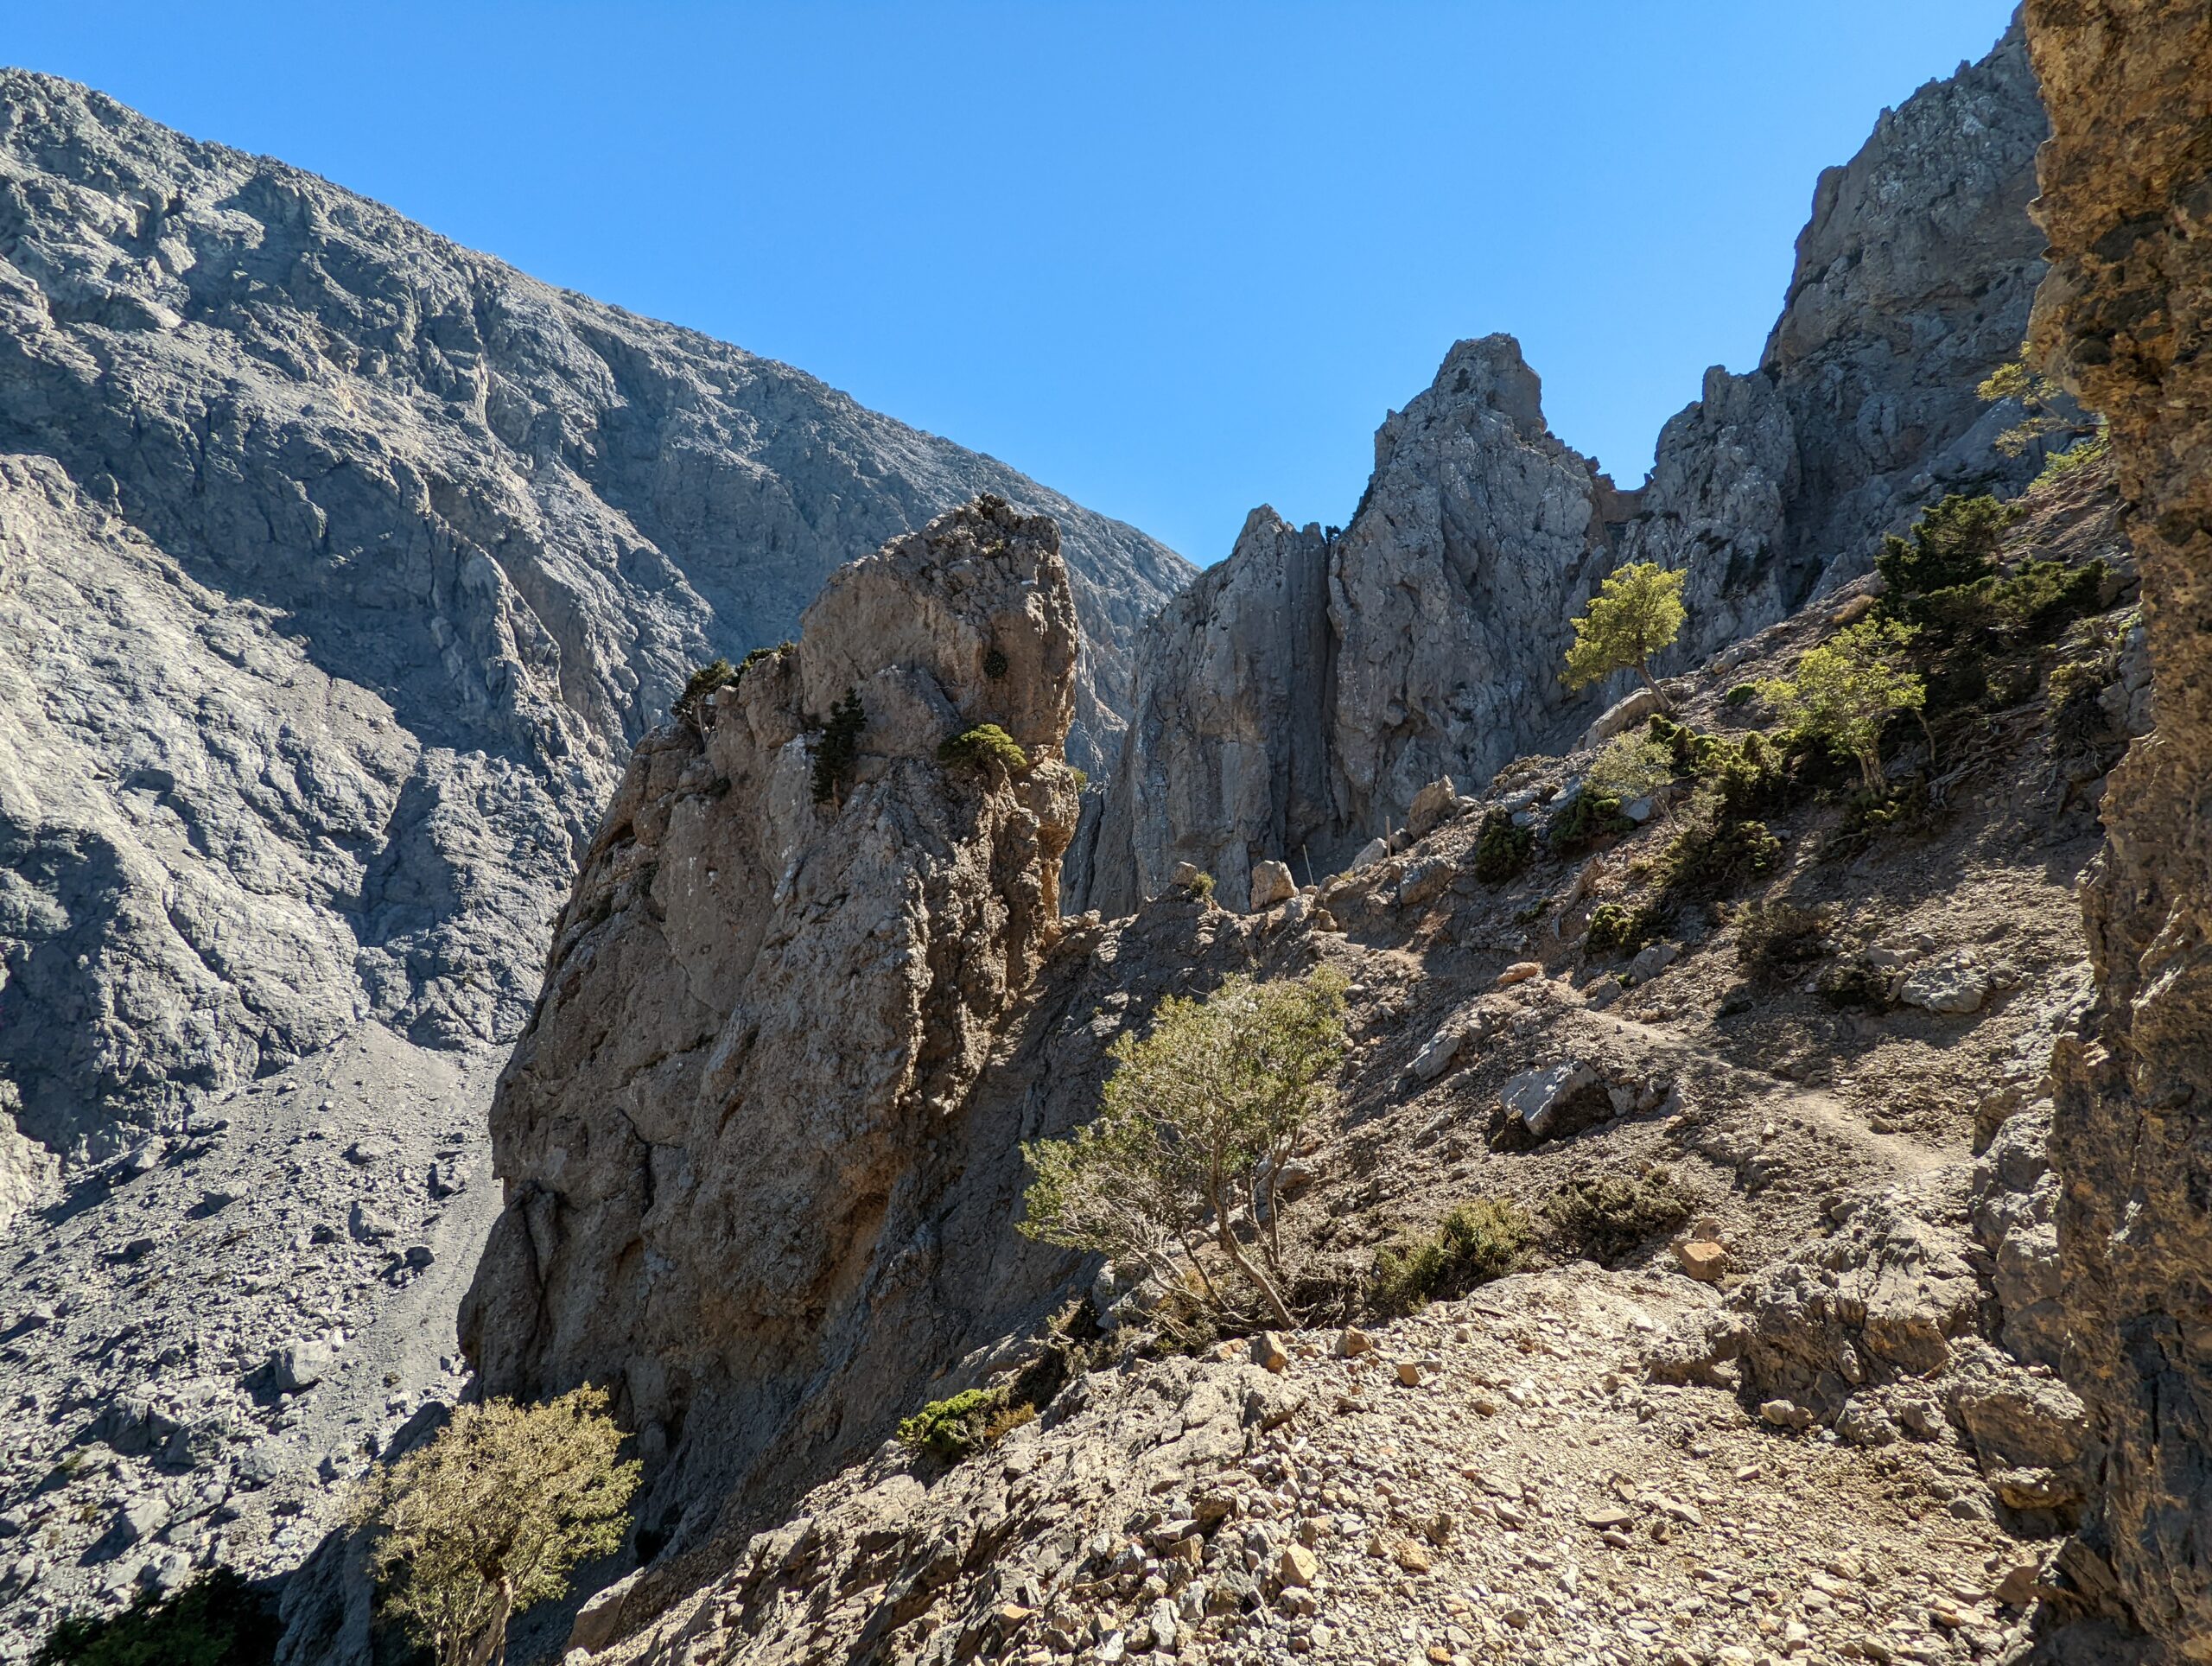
[[1174, 259]]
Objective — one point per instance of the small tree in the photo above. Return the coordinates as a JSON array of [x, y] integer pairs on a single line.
[[1953, 543], [1846, 691], [1637, 612], [840, 748], [1193, 1131], [2039, 400], [491, 1518]]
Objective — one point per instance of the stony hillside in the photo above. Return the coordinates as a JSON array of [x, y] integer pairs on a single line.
[[1289, 704], [1779, 1380], [345, 567]]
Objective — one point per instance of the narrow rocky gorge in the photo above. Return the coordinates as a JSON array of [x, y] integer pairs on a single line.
[[1862, 1305]]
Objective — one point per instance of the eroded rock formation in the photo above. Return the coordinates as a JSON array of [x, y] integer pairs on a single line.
[[346, 567], [730, 1134], [1293, 703], [2126, 318]]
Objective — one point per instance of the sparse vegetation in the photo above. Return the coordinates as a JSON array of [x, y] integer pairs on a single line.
[[950, 1429], [1501, 851], [1844, 693], [1637, 612], [1620, 928], [690, 705], [1483, 1239], [1176, 1173], [1953, 543], [1774, 936], [1715, 851], [1201, 886], [490, 1517], [1610, 1216], [995, 664], [1631, 766], [986, 747], [715, 674], [2039, 400], [217, 1620], [2079, 455], [1586, 817], [839, 748], [1742, 695]]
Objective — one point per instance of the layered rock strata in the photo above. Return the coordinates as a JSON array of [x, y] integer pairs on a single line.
[[347, 566], [741, 1186], [1292, 704], [2126, 318]]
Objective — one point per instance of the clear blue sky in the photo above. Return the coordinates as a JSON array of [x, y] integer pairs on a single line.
[[1174, 259]]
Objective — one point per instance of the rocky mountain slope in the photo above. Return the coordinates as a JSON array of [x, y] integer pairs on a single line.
[[1291, 703], [1803, 1406], [344, 568]]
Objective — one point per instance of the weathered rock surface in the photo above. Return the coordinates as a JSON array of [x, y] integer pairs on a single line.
[[2126, 318], [728, 1134], [1299, 695], [344, 568]]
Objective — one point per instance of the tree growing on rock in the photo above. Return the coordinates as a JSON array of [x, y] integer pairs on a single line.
[[1844, 692], [1637, 612], [490, 1518], [1203, 1113]]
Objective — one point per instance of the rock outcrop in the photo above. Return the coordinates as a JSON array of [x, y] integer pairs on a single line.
[[346, 566], [2126, 318], [1292, 704], [730, 1133]]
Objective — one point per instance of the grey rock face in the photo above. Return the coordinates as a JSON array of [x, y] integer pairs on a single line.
[[709, 1197], [343, 568], [1298, 698]]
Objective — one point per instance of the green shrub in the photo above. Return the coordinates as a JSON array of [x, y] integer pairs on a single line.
[[217, 1620], [1772, 935], [985, 747], [840, 747], [1202, 887], [715, 674], [1954, 543], [1611, 1215], [1715, 851], [1742, 695], [2079, 455], [1481, 1240], [2041, 598], [1502, 850], [1617, 929], [953, 1427], [1629, 766], [1586, 818]]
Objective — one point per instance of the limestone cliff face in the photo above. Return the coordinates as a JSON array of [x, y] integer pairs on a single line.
[[730, 1135], [1434, 646], [350, 565], [2125, 317]]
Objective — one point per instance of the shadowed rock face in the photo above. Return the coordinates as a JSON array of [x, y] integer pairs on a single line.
[[348, 566], [1275, 718], [2126, 318], [728, 1134]]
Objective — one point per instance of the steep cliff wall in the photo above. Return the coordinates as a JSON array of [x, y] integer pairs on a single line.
[[411, 549], [730, 1135], [1447, 598], [2125, 317]]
